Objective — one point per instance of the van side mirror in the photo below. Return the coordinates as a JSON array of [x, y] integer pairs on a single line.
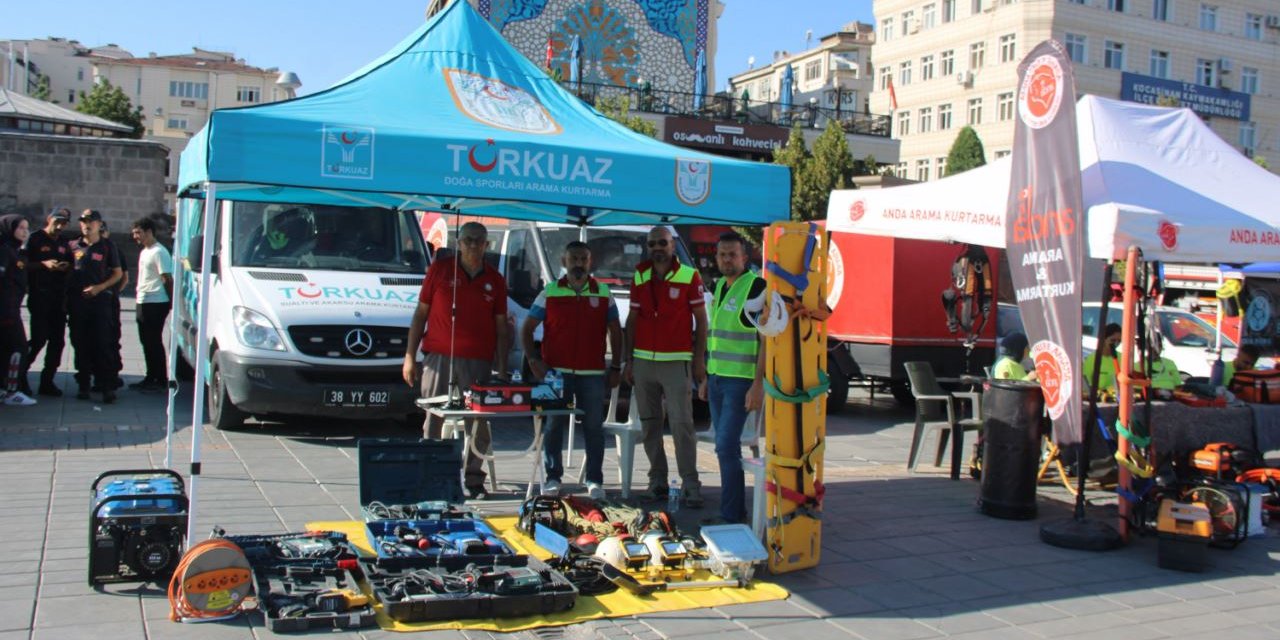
[[195, 256]]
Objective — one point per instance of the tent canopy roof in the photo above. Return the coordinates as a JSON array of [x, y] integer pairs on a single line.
[[1153, 177], [454, 117]]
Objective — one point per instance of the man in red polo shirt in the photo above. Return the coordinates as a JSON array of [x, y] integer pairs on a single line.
[[667, 340], [474, 337]]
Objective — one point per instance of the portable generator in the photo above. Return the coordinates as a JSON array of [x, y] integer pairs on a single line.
[[137, 525]]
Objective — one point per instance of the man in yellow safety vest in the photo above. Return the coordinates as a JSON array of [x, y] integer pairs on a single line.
[[733, 386]]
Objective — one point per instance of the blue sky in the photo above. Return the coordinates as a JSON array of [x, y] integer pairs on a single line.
[[324, 40]]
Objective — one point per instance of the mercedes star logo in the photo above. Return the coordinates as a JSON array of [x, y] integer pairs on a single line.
[[358, 342]]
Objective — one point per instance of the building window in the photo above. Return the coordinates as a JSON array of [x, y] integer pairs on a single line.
[[885, 76], [926, 119], [813, 70], [908, 22], [904, 73], [976, 7], [977, 55], [975, 111], [929, 16], [1253, 26], [941, 164], [71, 96], [80, 74], [947, 63], [248, 94], [926, 68], [1008, 47], [177, 123], [1248, 137], [198, 90], [1076, 47], [1113, 55], [1004, 106], [1116, 5], [1207, 72], [1002, 153], [948, 11], [1078, 1], [137, 89], [1159, 63], [904, 123], [944, 117], [1160, 10], [766, 90], [900, 170], [1209, 17], [886, 30], [1248, 80], [922, 170]]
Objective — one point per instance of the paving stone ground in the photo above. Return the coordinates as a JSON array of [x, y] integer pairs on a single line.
[[905, 556]]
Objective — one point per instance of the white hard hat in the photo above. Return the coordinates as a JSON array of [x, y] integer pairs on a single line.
[[770, 320]]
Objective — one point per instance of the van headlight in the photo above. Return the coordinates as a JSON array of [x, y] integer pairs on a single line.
[[255, 330]]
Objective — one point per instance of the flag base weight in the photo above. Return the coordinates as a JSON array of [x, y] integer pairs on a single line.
[[1081, 534]]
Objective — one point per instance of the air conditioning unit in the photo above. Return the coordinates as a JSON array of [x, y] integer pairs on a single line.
[[1273, 22], [964, 78], [913, 26], [1224, 65]]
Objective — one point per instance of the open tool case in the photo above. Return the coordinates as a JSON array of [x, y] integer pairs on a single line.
[[306, 581], [442, 563]]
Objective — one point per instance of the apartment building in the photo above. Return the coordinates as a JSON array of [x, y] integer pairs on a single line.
[[944, 64]]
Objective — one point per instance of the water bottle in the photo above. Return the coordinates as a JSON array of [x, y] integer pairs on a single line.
[[673, 496], [1216, 373]]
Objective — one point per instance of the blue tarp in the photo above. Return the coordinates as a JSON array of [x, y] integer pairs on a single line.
[[454, 116]]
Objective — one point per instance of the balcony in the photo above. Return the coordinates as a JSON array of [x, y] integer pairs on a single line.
[[723, 107]]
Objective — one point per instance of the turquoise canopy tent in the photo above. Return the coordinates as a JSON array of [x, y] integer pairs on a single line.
[[453, 119], [453, 115]]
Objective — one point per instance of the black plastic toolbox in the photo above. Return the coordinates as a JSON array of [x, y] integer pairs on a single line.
[[300, 598]]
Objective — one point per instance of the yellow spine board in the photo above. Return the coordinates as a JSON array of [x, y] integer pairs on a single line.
[[795, 542]]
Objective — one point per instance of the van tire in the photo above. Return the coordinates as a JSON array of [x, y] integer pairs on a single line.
[[838, 394], [901, 390], [223, 414]]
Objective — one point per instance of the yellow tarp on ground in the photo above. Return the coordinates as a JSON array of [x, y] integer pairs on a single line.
[[612, 605]]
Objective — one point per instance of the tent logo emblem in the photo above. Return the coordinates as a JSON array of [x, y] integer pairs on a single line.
[[1168, 233], [693, 180], [835, 275], [1041, 92], [1053, 369], [498, 104], [346, 152], [857, 210]]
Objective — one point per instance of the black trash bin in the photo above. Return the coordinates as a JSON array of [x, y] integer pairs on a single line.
[[1012, 413]]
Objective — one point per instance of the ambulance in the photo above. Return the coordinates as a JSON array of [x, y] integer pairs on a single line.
[[309, 309]]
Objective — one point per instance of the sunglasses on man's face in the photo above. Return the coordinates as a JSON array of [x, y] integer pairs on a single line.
[[657, 243]]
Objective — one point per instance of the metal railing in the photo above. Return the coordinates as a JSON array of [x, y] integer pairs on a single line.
[[726, 108]]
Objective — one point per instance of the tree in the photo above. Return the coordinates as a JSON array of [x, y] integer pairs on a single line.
[[966, 152], [1261, 161], [42, 88], [832, 168], [110, 102], [618, 108], [867, 166]]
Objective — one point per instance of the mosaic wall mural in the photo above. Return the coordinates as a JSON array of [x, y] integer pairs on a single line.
[[624, 42]]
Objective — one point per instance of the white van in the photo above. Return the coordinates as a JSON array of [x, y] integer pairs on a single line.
[[309, 311]]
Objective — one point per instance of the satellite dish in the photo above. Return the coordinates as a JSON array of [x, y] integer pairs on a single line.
[[289, 80], [751, 62]]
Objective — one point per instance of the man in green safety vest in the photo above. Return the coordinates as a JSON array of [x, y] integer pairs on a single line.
[[666, 336], [733, 386]]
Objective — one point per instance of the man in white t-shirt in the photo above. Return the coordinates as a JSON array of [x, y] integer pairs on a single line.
[[155, 289]]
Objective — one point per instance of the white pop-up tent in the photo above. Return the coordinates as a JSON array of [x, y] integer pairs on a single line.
[[1153, 177]]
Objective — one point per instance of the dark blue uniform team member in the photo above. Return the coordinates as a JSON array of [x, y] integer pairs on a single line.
[[94, 275], [50, 263], [13, 287]]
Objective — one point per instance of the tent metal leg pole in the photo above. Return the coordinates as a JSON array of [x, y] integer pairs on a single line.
[[171, 366], [202, 349]]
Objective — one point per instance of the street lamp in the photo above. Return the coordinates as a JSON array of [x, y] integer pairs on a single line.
[[813, 112]]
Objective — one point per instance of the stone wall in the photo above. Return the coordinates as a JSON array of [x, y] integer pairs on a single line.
[[124, 179]]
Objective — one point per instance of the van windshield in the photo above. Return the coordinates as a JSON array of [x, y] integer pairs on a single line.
[[614, 252], [293, 236]]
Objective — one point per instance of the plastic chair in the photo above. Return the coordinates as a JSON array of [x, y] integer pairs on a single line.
[[750, 434], [936, 411], [753, 465], [625, 436]]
